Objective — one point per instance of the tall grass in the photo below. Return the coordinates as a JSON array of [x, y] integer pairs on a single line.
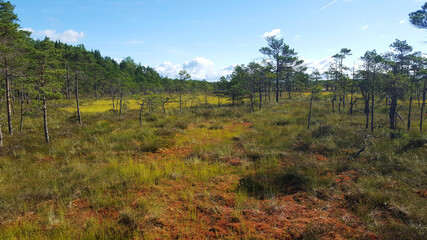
[[116, 164]]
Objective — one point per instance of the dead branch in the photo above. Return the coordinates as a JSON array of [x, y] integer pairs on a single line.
[[361, 150]]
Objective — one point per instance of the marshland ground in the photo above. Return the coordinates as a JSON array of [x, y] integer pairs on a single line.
[[210, 172]]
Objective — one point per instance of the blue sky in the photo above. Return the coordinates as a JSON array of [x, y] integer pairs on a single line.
[[208, 37]]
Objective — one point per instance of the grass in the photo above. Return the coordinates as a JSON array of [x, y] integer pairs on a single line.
[[211, 173]]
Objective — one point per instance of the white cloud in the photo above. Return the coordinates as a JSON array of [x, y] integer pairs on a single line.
[[402, 21], [320, 65], [168, 69], [324, 64], [199, 68], [364, 27], [133, 42], [68, 36], [118, 60], [27, 30], [298, 37], [274, 32]]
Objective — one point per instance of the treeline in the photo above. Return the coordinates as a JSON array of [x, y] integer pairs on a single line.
[[37, 71], [43, 70], [399, 74]]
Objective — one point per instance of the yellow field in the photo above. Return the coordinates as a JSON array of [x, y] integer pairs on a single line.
[[103, 105]]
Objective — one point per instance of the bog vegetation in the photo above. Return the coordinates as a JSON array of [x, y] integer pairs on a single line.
[[95, 149]]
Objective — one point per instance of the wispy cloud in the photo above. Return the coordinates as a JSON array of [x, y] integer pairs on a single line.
[[52, 19], [365, 27], [274, 32], [298, 37], [327, 5], [402, 21]]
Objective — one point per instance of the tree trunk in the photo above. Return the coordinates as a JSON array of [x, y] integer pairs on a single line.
[[422, 106], [343, 85], [114, 107], [260, 98], [277, 81], [1, 137], [95, 83], [22, 112], [311, 104], [180, 101], [206, 99], [252, 103], [333, 105], [352, 93], [8, 102], [265, 90], [393, 108], [140, 114], [68, 84], [309, 113], [121, 103], [46, 130], [77, 97], [410, 107], [366, 98]]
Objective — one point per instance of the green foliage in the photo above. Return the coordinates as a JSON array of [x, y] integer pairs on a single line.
[[419, 18]]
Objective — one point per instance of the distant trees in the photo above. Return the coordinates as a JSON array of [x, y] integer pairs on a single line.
[[371, 62], [314, 91], [39, 71], [284, 58], [183, 76], [340, 80]]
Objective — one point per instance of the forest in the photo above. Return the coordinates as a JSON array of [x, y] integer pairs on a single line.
[[93, 148]]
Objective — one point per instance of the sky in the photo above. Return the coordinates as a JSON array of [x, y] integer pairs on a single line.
[[209, 37]]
